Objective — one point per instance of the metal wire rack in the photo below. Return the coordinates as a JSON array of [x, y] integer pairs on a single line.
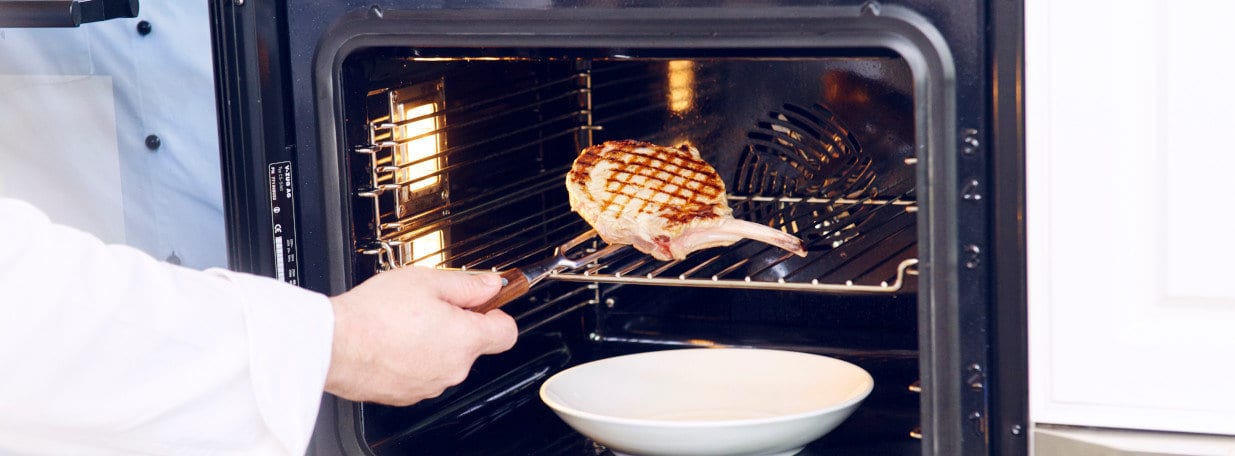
[[801, 170], [856, 245]]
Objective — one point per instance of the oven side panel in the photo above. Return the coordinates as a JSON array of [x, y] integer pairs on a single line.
[[1009, 420], [254, 127]]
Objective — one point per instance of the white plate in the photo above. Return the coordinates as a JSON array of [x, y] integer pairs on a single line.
[[716, 401]]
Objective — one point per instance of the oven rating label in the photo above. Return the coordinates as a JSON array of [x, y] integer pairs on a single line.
[[283, 222]]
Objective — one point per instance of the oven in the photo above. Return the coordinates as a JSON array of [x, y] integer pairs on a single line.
[[359, 137]]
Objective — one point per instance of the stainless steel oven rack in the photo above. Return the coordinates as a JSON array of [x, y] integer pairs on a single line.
[[400, 215], [802, 171], [872, 238], [904, 269], [856, 246]]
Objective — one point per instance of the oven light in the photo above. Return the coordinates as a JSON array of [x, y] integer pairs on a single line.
[[681, 85], [416, 169], [465, 59], [427, 250]]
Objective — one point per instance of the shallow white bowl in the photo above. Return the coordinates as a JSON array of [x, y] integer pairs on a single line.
[[715, 401]]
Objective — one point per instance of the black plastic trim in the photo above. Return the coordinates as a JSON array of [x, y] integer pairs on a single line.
[[253, 132], [1009, 421]]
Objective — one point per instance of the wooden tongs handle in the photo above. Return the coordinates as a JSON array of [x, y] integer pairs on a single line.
[[514, 285]]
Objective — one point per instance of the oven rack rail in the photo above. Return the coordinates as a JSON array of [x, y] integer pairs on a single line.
[[853, 231], [716, 267], [860, 239], [859, 227], [904, 269]]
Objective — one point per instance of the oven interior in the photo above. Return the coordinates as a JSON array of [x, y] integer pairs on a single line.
[[456, 158]]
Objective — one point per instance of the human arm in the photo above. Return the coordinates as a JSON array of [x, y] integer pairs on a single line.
[[103, 347], [390, 352]]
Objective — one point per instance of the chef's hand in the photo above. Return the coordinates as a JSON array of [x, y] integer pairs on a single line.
[[405, 335]]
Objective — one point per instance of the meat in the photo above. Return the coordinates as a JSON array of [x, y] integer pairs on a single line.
[[666, 202]]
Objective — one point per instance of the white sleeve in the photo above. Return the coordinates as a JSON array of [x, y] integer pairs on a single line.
[[104, 350]]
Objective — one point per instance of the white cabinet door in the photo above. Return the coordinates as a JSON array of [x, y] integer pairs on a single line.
[[1131, 177]]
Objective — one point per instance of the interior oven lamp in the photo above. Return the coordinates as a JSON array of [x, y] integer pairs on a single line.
[[681, 85], [417, 154]]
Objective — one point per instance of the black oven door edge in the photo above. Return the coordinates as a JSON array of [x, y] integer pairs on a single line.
[[257, 147], [1009, 380]]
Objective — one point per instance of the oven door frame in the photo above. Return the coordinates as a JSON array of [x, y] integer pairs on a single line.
[[945, 426], [265, 82]]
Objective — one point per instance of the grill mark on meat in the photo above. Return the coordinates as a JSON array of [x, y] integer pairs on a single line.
[[621, 180], [685, 181], [676, 190], [581, 173], [631, 150], [666, 202], [689, 214]]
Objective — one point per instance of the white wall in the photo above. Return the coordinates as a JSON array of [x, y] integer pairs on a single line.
[[1131, 165]]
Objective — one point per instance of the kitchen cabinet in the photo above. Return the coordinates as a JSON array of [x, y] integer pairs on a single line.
[[1130, 114]]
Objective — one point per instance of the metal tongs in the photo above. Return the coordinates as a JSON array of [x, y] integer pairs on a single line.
[[568, 256]]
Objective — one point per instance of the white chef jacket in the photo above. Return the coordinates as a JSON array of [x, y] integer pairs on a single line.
[[76, 107], [105, 350]]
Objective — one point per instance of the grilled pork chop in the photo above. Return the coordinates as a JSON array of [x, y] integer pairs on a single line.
[[666, 202]]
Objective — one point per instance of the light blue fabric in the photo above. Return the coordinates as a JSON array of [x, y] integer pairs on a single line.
[[162, 84]]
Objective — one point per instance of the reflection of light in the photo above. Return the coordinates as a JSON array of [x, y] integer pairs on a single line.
[[681, 85], [463, 59], [425, 250], [425, 145]]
